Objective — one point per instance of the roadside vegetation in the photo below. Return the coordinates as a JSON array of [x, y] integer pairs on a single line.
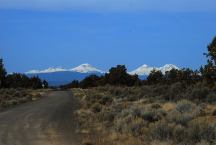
[[11, 97], [17, 88], [145, 115], [175, 108]]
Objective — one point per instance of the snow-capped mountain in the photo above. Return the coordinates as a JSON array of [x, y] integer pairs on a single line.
[[59, 76], [142, 70], [167, 67], [85, 68], [145, 69], [49, 70]]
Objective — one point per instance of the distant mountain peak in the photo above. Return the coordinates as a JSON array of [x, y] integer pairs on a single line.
[[144, 65], [146, 70], [85, 68], [49, 70], [167, 67]]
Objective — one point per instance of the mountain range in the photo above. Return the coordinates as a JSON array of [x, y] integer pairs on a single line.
[[60, 76], [145, 69]]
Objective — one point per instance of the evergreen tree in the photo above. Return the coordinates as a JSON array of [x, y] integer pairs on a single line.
[[36, 83], [172, 76], [90, 81], [45, 84], [118, 76], [211, 55], [3, 74], [17, 80], [155, 77], [209, 70], [74, 84]]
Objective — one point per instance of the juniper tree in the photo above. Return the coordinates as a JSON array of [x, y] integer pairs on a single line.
[[3, 74], [211, 55], [209, 70]]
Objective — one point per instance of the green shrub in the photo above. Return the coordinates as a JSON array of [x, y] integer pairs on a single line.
[[105, 100], [152, 115], [199, 93], [135, 127], [93, 97], [173, 92], [211, 97], [179, 118], [132, 111], [155, 106], [159, 89], [96, 108], [160, 131], [108, 116], [121, 124], [130, 125], [179, 134], [202, 130], [184, 112], [184, 106]]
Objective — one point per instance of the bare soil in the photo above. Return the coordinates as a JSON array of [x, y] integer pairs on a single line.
[[48, 121]]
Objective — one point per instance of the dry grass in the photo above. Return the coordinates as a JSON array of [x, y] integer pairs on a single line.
[[169, 106], [11, 97], [140, 116]]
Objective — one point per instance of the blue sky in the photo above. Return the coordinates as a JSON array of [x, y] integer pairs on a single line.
[[36, 34]]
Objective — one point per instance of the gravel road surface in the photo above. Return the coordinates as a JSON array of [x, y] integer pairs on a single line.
[[48, 121]]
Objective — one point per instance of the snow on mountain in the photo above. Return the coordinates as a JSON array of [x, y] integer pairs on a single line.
[[145, 70], [49, 70], [85, 68], [167, 67]]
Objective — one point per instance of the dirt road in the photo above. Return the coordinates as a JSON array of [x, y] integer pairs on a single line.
[[49, 121]]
